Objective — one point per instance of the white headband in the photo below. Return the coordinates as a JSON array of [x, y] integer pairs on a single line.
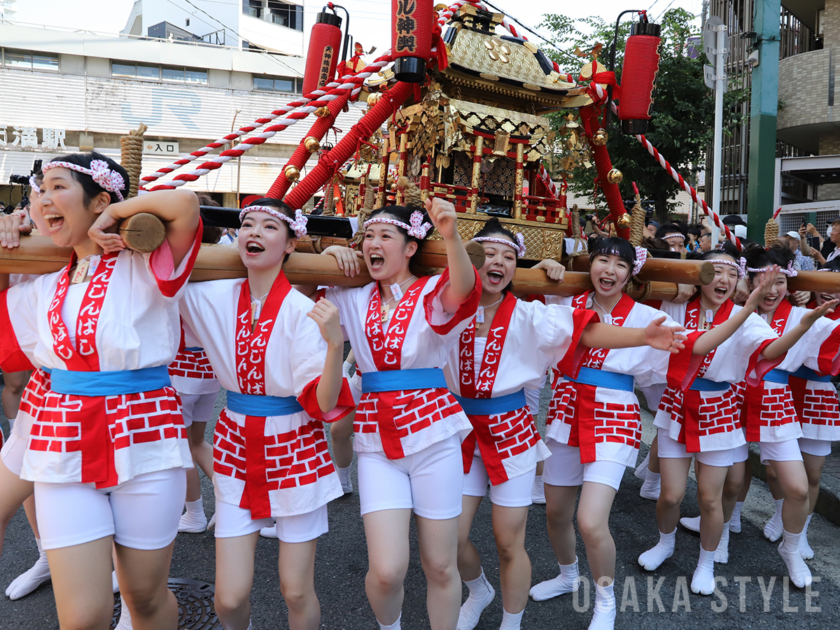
[[99, 171], [674, 235], [34, 185], [740, 266], [298, 224], [417, 229], [790, 272], [518, 246]]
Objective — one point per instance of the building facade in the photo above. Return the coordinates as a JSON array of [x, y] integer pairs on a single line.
[[68, 91]]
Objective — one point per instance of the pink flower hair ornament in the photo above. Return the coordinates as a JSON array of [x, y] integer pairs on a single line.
[[298, 224], [641, 258]]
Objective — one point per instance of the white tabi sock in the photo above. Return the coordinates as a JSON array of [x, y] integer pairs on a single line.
[[703, 581], [566, 582], [604, 617], [799, 572], [27, 582], [804, 548], [722, 551], [193, 521], [664, 549], [774, 527], [393, 626], [344, 479], [481, 594], [642, 469], [735, 521], [511, 621], [651, 487], [125, 617]]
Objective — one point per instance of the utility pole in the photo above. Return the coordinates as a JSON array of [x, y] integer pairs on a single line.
[[716, 43]]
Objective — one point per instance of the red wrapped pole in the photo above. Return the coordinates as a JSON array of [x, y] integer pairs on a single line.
[[412, 22], [603, 164], [638, 77], [301, 155], [324, 48], [328, 164]]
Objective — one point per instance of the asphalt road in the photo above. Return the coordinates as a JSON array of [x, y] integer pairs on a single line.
[[755, 594]]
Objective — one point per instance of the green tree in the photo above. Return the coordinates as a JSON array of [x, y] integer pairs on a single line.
[[682, 124]]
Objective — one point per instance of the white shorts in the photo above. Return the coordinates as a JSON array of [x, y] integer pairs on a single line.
[[563, 468], [142, 513], [817, 448], [514, 492], [430, 482], [671, 449], [13, 451], [197, 407], [741, 453], [787, 451], [233, 521]]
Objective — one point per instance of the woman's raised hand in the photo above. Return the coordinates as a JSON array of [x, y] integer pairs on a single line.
[[553, 269], [325, 314], [99, 232], [662, 337], [444, 218]]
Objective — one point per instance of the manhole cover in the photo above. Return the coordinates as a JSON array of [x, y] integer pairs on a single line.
[[195, 605]]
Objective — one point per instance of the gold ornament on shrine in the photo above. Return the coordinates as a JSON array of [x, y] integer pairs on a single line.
[[615, 176], [624, 221], [292, 173], [311, 144], [600, 137], [322, 112]]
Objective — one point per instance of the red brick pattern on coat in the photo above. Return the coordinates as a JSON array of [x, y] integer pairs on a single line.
[[33, 394], [821, 408], [192, 365], [413, 411], [514, 431], [293, 459], [132, 419], [777, 408], [718, 414], [617, 423]]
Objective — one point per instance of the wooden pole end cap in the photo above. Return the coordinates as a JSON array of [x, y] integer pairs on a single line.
[[143, 232], [476, 253]]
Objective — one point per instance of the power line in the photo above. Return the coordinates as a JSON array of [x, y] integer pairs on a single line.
[[526, 27]]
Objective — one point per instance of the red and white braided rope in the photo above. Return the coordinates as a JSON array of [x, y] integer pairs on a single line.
[[549, 183], [601, 95], [295, 111]]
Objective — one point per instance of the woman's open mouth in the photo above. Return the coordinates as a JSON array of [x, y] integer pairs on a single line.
[[252, 248], [376, 262], [721, 292], [606, 284], [495, 277], [55, 221]]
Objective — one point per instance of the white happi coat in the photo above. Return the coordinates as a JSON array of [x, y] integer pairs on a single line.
[[276, 465], [818, 350], [525, 339], [605, 423], [191, 372], [124, 318], [711, 420], [404, 422]]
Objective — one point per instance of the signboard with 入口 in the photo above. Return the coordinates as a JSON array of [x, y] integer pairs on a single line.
[[153, 147]]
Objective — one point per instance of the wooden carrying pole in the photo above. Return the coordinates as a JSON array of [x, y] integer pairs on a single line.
[[664, 270]]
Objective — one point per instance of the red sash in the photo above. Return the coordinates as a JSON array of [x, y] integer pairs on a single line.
[[387, 347], [689, 431], [582, 433], [754, 395], [250, 374], [85, 356], [483, 386]]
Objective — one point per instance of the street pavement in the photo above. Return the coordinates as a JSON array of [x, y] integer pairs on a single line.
[[755, 593]]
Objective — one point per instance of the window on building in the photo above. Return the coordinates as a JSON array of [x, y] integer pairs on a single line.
[[253, 8], [30, 60], [277, 84], [285, 14], [151, 72]]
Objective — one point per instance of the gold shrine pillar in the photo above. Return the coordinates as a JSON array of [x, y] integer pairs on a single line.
[[517, 193], [476, 174]]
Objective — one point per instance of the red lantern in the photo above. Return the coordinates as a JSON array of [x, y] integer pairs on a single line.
[[411, 38], [324, 47], [638, 77]]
